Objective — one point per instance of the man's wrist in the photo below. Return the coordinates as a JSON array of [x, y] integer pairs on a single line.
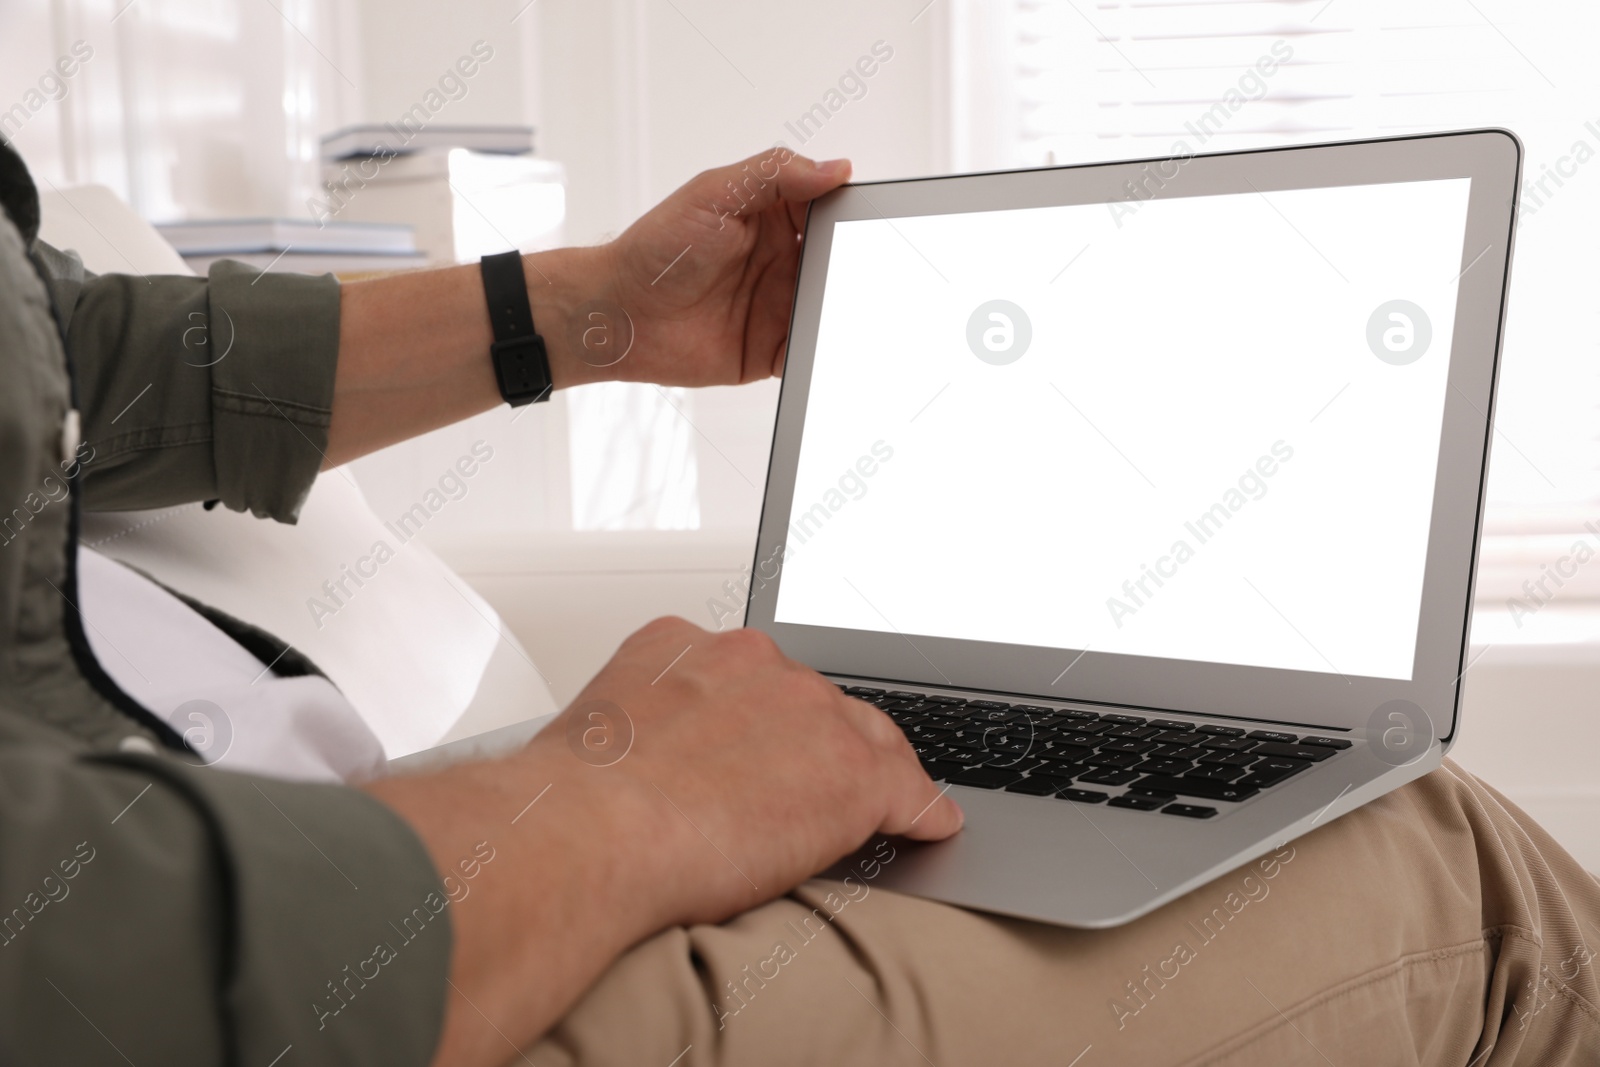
[[586, 333]]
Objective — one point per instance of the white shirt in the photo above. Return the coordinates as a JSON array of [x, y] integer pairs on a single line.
[[234, 711]]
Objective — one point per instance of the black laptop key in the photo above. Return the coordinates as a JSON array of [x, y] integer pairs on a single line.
[[954, 701], [1077, 713], [932, 734], [1326, 742], [988, 704], [1171, 724], [1122, 744], [998, 717], [1065, 753], [1083, 796], [1134, 733], [939, 770], [1229, 744], [1165, 766], [986, 777], [1271, 772], [1177, 752], [1313, 753], [1123, 720], [1204, 788], [901, 694], [1039, 785], [1108, 776], [1009, 751], [1280, 765], [1138, 802], [1181, 737], [863, 691], [1023, 763], [1189, 811], [1220, 731], [1075, 738], [1229, 759], [1051, 724], [968, 757], [1033, 787], [1114, 759], [1218, 772], [1273, 735]]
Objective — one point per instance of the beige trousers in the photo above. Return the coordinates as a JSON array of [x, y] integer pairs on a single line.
[[1438, 925]]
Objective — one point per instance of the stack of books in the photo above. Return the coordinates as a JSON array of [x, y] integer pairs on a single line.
[[466, 191], [297, 246]]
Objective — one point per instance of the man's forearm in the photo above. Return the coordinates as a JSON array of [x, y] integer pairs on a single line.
[[579, 865], [701, 287], [414, 348]]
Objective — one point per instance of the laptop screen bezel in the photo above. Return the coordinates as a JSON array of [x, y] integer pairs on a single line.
[[1490, 158]]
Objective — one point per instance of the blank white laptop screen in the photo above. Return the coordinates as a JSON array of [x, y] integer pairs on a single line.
[[1199, 428]]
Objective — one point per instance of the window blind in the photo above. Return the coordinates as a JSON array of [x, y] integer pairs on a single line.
[[1127, 78]]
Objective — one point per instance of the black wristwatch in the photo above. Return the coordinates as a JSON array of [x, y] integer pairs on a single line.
[[521, 362]]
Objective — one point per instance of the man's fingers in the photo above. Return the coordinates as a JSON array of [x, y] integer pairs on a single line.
[[803, 179], [924, 810], [757, 183], [918, 807]]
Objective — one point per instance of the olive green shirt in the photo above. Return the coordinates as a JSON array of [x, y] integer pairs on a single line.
[[154, 911]]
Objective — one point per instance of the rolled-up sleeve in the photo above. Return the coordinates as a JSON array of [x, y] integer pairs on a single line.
[[199, 388], [158, 913]]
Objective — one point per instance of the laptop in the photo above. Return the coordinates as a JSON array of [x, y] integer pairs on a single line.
[[1144, 497]]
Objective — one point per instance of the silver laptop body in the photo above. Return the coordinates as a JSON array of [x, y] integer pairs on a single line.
[[1145, 459]]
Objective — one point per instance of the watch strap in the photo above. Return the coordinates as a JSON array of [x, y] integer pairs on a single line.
[[521, 360]]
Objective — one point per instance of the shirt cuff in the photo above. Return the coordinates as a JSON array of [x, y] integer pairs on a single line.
[[272, 395]]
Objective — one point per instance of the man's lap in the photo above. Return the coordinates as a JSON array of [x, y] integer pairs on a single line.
[[1437, 925]]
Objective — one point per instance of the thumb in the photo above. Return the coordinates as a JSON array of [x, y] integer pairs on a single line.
[[757, 183]]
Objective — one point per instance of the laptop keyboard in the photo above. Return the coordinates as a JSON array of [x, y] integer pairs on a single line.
[[1190, 770]]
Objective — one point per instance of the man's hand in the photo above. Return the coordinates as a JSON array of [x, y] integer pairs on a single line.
[[731, 774], [707, 276], [760, 772], [696, 292]]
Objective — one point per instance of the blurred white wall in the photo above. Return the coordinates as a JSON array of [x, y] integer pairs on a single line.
[[641, 94]]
